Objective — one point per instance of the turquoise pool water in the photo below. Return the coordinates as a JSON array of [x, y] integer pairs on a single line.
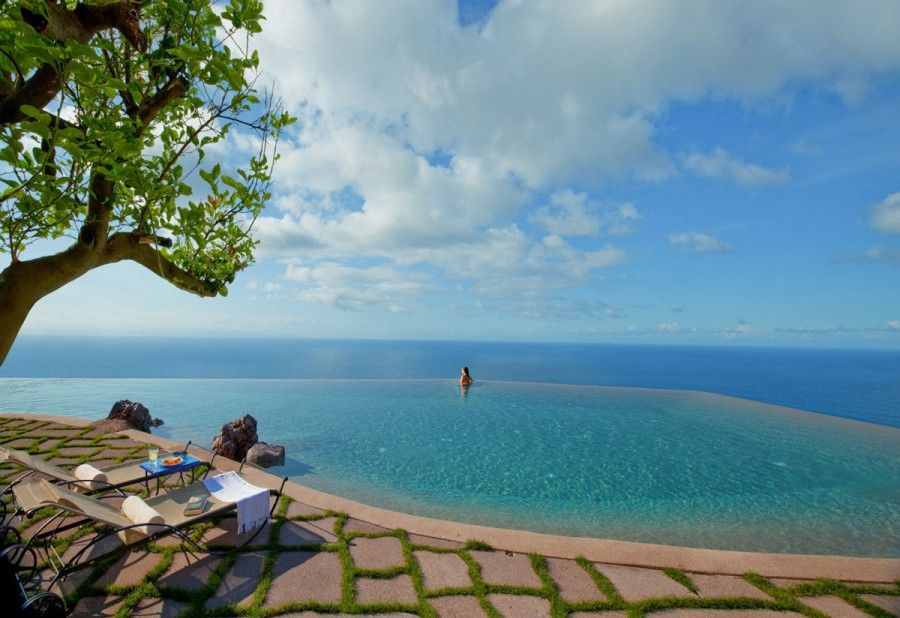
[[672, 467]]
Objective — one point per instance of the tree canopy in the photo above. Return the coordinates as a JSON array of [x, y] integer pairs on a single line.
[[116, 119]]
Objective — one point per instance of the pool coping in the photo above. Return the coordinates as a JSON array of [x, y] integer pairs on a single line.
[[609, 551]]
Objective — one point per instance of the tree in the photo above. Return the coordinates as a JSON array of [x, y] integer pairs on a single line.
[[107, 113]]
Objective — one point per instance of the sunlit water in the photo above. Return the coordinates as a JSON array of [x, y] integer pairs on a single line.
[[672, 467]]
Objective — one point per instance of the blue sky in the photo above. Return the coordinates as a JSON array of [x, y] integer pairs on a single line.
[[706, 172]]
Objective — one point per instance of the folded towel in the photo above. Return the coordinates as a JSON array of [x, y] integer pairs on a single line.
[[252, 501], [94, 478], [139, 512]]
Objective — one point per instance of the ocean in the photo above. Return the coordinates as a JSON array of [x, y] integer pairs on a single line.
[[852, 383]]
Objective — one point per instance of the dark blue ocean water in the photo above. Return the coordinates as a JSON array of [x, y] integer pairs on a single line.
[[857, 384]]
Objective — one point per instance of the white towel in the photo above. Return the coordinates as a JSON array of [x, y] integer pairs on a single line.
[[139, 512], [252, 501], [94, 478]]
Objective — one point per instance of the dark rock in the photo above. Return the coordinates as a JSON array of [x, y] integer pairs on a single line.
[[135, 414], [266, 455], [236, 438]]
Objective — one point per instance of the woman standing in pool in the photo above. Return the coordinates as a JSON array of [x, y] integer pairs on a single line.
[[464, 378]]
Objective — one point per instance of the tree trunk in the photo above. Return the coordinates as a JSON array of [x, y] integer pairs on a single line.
[[22, 284]]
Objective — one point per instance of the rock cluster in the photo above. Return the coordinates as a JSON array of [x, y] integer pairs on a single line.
[[236, 438], [135, 414], [238, 441], [266, 455]]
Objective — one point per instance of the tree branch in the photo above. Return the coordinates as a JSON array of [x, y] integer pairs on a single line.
[[173, 89], [80, 25], [96, 224], [128, 246]]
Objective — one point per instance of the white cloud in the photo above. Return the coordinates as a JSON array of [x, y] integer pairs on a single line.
[[574, 214], [719, 163], [892, 325], [877, 254], [886, 215], [350, 288], [668, 327], [423, 144], [699, 243]]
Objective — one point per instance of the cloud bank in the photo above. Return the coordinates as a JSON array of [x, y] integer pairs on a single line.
[[480, 154]]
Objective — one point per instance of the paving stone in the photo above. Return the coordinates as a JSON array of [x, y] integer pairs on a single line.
[[318, 615], [82, 441], [158, 608], [325, 524], [172, 540], [723, 613], [96, 432], [357, 525], [787, 583], [38, 527], [305, 533], [68, 585], [110, 454], [297, 509], [886, 602], [634, 583], [77, 451], [92, 547], [130, 569], [833, 606], [44, 432], [19, 443], [395, 590], [499, 567], [64, 462], [11, 422], [462, 606], [122, 443], [443, 570], [418, 539], [380, 553], [574, 582], [239, 582], [98, 606], [520, 606], [189, 572], [305, 576], [609, 614], [103, 463], [726, 586], [50, 444]]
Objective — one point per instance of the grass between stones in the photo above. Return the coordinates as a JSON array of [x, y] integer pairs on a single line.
[[198, 602]]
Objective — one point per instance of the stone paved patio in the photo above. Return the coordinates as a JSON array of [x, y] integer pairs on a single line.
[[313, 562]]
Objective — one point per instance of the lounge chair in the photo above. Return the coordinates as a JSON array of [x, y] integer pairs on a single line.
[[113, 477], [168, 519]]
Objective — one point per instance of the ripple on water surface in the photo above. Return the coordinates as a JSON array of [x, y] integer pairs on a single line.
[[681, 468]]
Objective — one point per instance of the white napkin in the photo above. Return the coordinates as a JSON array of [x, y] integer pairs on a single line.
[[252, 501], [139, 512], [94, 478]]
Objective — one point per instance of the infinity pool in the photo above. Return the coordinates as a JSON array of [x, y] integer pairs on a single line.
[[681, 468]]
